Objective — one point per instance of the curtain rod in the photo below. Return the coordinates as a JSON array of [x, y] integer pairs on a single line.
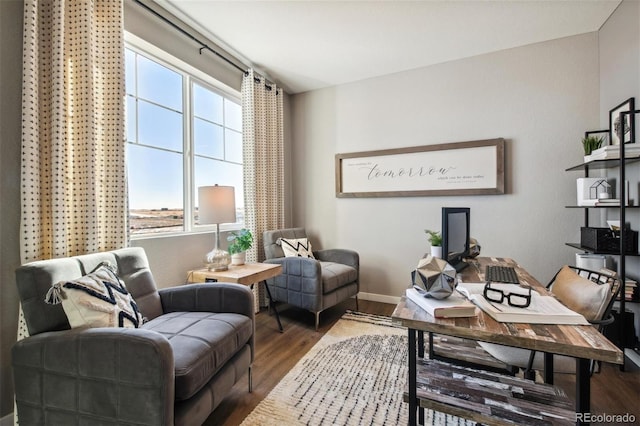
[[203, 46]]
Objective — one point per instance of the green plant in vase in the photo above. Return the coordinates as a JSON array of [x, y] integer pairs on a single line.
[[435, 239], [240, 241], [591, 143]]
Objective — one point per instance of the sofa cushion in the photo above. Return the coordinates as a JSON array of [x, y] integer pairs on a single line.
[[336, 275], [202, 343], [98, 299]]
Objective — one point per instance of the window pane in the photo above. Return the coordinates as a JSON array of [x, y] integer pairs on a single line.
[[130, 71], [233, 115], [207, 139], [210, 172], [131, 119], [207, 104], [233, 146], [159, 84], [159, 126], [155, 189]]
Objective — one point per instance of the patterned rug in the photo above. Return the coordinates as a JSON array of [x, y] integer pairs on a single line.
[[355, 375]]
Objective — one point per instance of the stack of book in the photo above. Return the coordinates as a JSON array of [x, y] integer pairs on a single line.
[[631, 291], [454, 306], [607, 202], [612, 152]]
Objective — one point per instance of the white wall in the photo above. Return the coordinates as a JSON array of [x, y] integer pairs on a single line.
[[540, 98]]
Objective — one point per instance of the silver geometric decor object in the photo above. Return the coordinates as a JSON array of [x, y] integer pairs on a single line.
[[434, 277]]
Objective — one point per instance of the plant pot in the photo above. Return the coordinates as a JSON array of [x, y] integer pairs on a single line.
[[436, 251], [238, 258]]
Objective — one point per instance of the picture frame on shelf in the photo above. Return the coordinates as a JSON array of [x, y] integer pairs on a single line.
[[604, 133], [615, 127]]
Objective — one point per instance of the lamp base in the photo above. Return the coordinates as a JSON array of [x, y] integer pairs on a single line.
[[217, 260]]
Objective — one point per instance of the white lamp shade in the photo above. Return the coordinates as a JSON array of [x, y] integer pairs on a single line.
[[216, 204]]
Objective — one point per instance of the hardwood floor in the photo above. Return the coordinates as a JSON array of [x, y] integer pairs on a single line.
[[612, 391]]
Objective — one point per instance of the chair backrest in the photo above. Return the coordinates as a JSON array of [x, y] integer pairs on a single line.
[[35, 278], [598, 278], [272, 249]]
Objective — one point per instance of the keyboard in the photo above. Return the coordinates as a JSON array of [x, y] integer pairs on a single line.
[[502, 274]]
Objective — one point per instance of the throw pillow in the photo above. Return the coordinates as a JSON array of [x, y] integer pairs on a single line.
[[298, 247], [98, 299], [581, 295]]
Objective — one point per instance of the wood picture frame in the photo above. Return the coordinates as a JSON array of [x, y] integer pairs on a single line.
[[459, 168], [615, 126]]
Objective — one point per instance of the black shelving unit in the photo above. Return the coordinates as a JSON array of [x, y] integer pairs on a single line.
[[621, 164]]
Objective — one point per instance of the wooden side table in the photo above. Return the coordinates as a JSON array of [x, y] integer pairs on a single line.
[[247, 274]]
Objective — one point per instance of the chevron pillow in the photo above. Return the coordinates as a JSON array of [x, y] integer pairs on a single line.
[[99, 299], [298, 247]]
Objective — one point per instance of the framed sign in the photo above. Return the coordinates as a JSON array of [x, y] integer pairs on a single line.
[[462, 168]]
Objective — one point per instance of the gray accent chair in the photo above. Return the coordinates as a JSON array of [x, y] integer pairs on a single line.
[[311, 284], [197, 343]]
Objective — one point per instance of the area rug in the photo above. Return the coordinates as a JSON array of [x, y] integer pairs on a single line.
[[355, 375]]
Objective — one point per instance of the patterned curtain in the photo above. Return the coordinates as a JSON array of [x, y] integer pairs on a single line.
[[74, 188], [263, 158], [73, 142]]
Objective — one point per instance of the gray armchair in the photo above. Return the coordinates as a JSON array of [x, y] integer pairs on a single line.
[[311, 284], [197, 342]]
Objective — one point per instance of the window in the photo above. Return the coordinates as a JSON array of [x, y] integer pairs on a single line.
[[182, 132]]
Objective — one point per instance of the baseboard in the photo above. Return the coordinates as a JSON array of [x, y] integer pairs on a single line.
[[7, 420], [394, 300]]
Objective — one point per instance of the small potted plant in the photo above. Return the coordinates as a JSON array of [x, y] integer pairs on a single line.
[[239, 242], [591, 143], [435, 239]]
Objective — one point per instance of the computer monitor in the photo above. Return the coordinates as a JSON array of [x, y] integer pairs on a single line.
[[455, 235]]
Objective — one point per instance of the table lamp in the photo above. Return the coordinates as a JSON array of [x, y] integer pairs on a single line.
[[217, 204]]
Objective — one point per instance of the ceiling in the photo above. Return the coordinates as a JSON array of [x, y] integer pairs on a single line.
[[307, 45]]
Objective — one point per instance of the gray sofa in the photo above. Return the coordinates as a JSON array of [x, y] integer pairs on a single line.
[[198, 342], [311, 284]]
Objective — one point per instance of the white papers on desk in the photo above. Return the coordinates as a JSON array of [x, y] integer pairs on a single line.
[[541, 310]]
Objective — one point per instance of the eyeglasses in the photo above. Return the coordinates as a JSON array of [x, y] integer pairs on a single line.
[[513, 299]]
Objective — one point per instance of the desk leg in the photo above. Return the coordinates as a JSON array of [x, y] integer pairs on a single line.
[[273, 306], [583, 388], [413, 382]]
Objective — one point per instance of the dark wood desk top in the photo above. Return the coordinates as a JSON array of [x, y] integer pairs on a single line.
[[582, 341]]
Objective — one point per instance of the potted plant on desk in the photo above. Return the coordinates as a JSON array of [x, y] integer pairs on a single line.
[[239, 242], [435, 239]]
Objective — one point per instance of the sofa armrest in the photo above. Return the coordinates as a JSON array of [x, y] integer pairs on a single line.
[[344, 256], [81, 375], [208, 297], [298, 270]]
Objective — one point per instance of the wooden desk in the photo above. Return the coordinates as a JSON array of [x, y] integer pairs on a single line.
[[582, 342], [247, 274]]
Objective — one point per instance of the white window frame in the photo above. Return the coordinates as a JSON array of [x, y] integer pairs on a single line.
[[190, 75]]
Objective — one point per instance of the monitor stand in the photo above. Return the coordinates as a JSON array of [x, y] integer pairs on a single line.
[[460, 266]]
